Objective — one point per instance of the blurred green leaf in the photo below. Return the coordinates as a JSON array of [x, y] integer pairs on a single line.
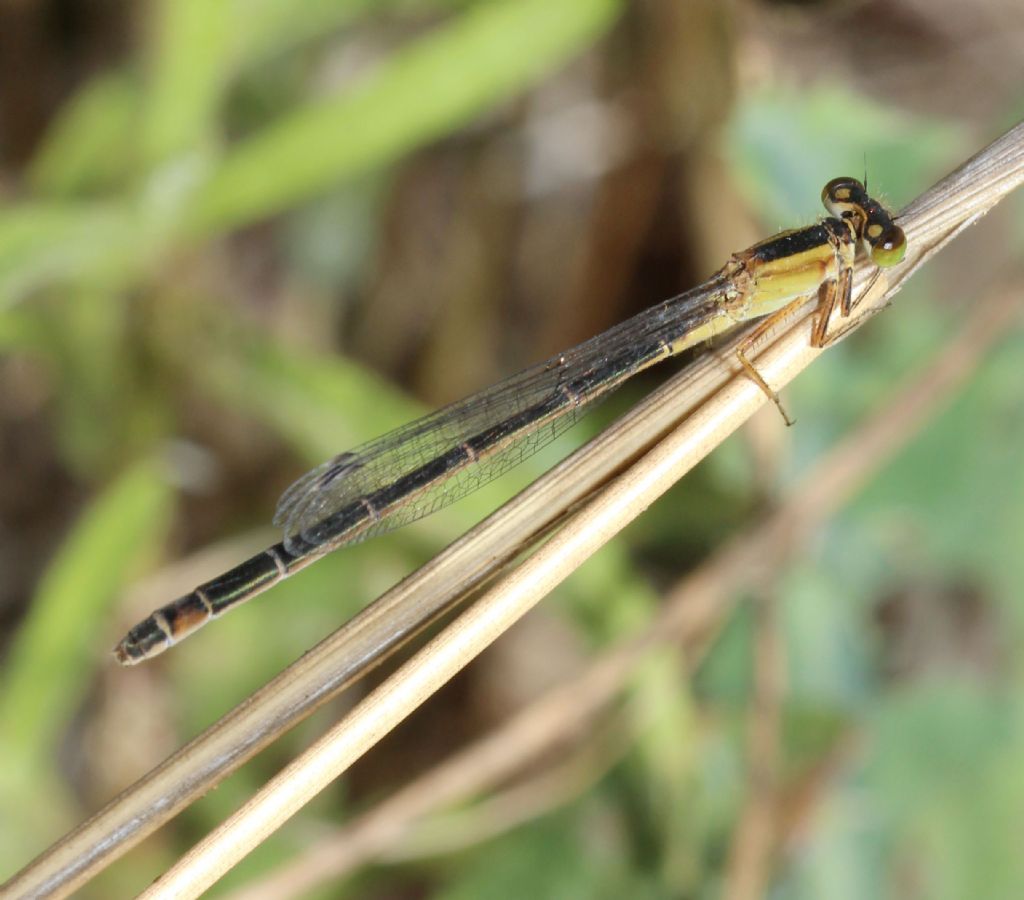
[[553, 858], [840, 857], [55, 652], [20, 332], [42, 243], [319, 404], [108, 413], [616, 602], [829, 655], [439, 83], [953, 803], [90, 145], [902, 525], [189, 71], [269, 27]]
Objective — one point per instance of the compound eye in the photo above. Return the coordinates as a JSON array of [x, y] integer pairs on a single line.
[[841, 191], [844, 198], [889, 247]]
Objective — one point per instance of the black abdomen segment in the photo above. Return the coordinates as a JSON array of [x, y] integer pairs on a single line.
[[169, 624]]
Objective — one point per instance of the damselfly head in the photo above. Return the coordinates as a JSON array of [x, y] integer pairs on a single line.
[[847, 199], [884, 239]]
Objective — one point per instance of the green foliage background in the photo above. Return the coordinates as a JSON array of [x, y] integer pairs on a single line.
[[153, 406]]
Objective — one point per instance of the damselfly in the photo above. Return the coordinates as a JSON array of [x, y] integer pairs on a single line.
[[427, 464]]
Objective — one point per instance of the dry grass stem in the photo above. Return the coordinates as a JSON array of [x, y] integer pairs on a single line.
[[752, 850], [692, 612]]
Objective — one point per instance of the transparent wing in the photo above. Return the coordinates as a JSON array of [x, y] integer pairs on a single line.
[[503, 424]]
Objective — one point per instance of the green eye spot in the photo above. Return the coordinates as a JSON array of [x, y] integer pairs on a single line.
[[889, 248]]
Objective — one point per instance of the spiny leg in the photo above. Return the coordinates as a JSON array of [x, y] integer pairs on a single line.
[[751, 340], [755, 376], [849, 304], [850, 326], [829, 339], [833, 291]]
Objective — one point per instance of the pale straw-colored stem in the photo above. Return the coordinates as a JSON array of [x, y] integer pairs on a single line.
[[691, 612]]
